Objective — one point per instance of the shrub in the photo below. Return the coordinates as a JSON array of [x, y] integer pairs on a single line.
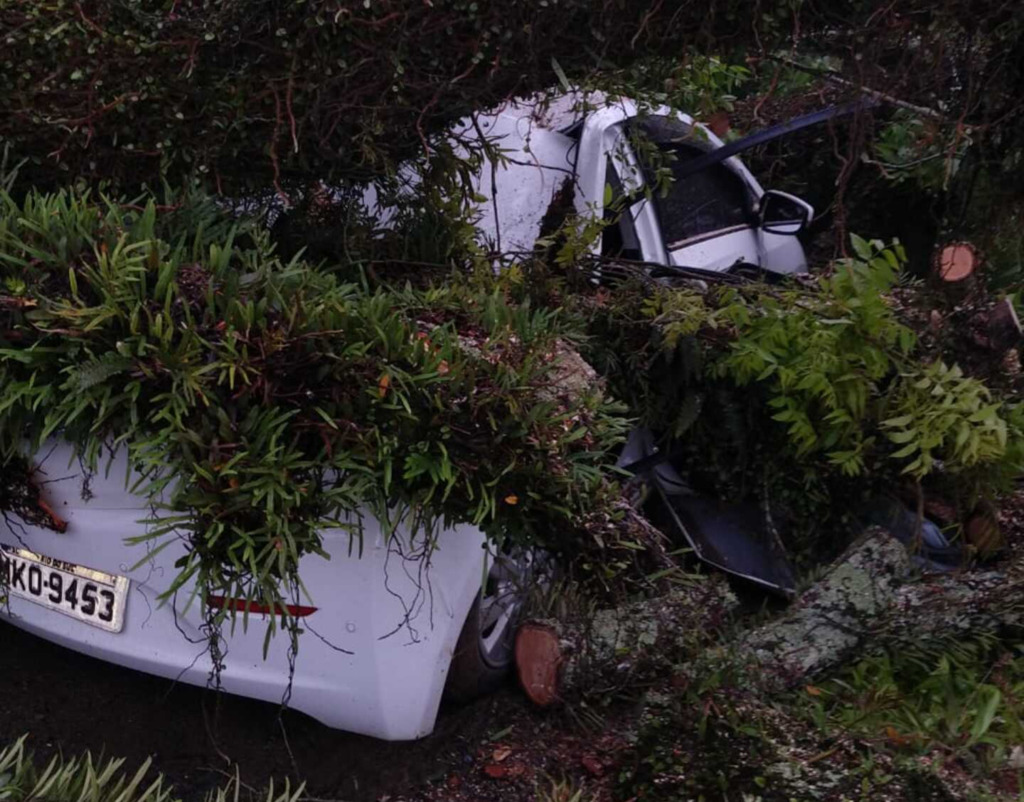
[[270, 400]]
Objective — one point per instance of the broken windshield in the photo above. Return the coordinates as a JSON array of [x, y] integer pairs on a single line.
[[711, 200]]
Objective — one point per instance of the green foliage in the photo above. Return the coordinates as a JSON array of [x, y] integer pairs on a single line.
[[86, 779], [909, 726], [962, 702], [822, 358], [264, 401], [697, 83], [909, 148], [836, 368], [813, 395], [249, 94], [939, 414]]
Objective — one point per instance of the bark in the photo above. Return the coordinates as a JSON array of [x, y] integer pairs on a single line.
[[870, 602], [828, 621], [556, 660], [1002, 329]]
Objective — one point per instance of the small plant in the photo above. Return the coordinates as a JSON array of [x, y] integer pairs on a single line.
[[963, 702], [87, 779], [563, 790]]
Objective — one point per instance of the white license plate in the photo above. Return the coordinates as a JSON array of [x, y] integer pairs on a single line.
[[91, 596]]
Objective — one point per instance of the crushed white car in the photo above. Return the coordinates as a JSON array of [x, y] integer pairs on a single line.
[[382, 627], [717, 218]]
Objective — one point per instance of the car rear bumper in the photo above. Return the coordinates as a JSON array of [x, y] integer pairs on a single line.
[[373, 658]]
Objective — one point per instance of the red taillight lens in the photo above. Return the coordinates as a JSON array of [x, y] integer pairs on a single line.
[[242, 606]]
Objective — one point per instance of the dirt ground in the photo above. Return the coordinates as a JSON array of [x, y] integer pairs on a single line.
[[496, 749]]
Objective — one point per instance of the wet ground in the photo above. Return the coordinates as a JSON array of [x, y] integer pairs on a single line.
[[72, 703]]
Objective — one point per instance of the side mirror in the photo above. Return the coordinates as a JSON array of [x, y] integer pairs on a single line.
[[782, 213]]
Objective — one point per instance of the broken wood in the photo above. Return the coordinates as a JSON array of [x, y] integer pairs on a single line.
[[17, 302], [556, 660], [834, 77], [57, 524]]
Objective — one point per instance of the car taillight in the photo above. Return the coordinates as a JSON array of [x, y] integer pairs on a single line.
[[243, 606]]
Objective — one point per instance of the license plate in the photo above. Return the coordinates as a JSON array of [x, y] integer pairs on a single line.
[[91, 596]]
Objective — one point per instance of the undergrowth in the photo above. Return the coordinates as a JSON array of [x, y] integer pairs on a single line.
[[937, 723], [85, 778]]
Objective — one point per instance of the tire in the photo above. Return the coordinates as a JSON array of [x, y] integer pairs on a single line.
[[484, 654], [470, 674]]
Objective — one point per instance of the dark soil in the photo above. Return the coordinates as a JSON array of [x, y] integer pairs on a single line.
[[498, 748]]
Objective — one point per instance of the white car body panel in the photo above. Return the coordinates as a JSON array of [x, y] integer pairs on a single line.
[[399, 618], [542, 157]]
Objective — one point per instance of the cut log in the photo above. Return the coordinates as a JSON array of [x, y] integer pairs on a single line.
[[956, 261], [557, 660], [982, 530], [539, 657]]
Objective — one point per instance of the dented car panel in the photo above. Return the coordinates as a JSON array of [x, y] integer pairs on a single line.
[[707, 220]]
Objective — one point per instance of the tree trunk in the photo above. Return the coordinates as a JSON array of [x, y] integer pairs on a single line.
[[869, 602], [559, 659]]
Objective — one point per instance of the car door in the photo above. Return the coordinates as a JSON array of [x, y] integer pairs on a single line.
[[632, 230]]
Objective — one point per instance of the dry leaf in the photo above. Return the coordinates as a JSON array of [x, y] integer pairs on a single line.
[[501, 753], [383, 385], [813, 691]]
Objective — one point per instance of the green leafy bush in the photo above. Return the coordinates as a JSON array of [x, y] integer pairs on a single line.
[[268, 400], [813, 395]]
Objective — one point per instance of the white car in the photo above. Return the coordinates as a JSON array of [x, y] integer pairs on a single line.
[[717, 218], [382, 627]]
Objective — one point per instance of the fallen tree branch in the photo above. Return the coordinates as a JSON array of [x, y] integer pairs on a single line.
[[836, 78], [869, 603]]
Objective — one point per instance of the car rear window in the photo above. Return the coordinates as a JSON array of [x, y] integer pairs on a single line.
[[710, 200]]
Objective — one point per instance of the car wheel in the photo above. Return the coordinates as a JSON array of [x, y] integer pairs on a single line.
[[484, 652]]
